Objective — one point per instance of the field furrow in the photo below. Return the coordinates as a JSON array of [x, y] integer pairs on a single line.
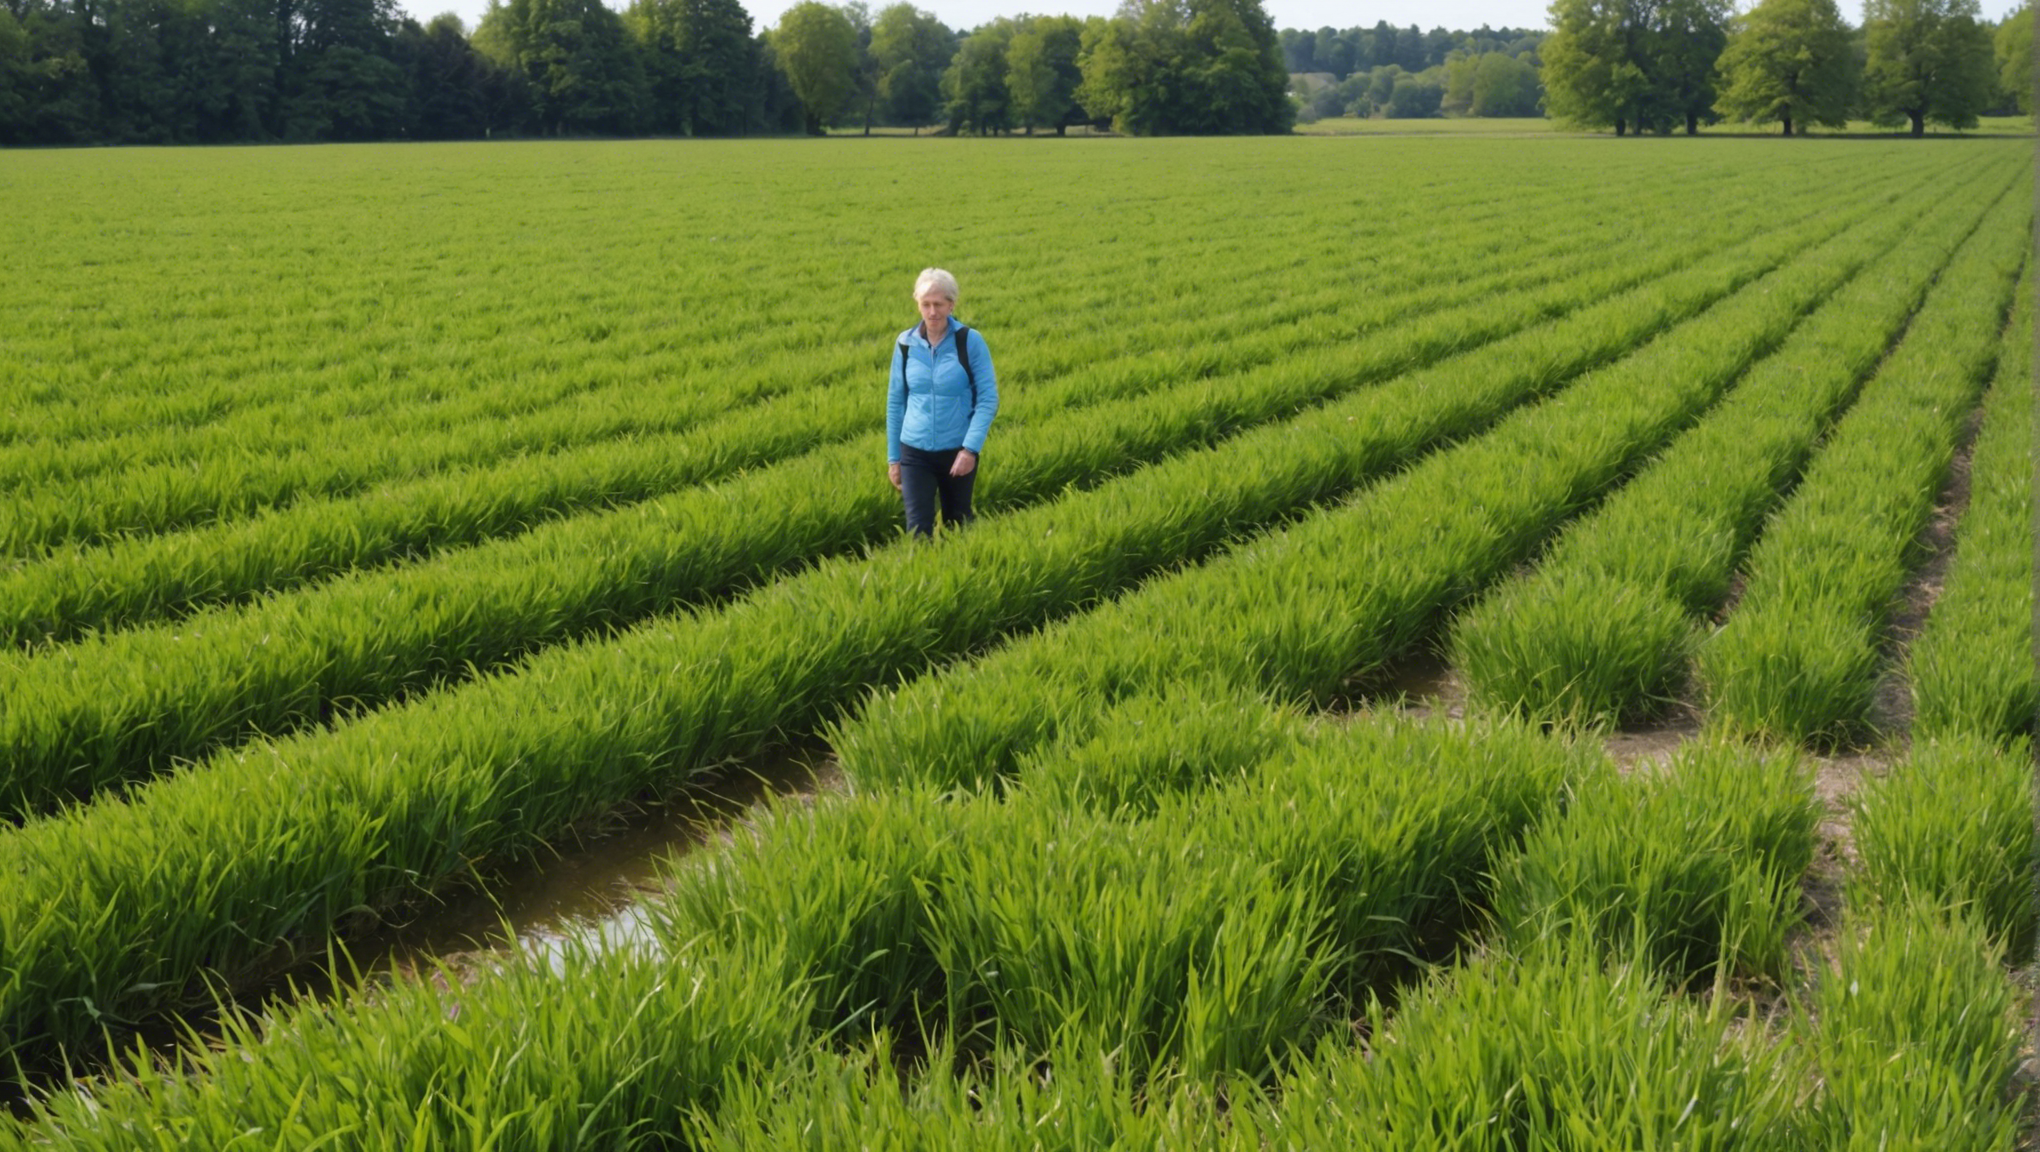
[[1971, 669]]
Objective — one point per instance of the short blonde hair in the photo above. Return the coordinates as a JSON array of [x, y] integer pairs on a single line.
[[935, 281]]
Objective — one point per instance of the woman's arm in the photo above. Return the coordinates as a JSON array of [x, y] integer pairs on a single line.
[[895, 403]]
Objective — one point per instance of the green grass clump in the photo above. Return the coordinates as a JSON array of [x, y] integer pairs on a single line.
[[576, 1047], [988, 924], [1689, 869], [1398, 826], [1583, 649], [1075, 1097], [1147, 747], [1952, 827], [1913, 1037], [1557, 1049], [1789, 680]]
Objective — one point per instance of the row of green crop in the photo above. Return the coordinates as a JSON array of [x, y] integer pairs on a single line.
[[211, 867], [1603, 630], [733, 346], [1351, 591], [135, 580], [1061, 971], [1799, 655], [1972, 667], [1692, 869], [432, 289], [124, 706], [254, 458], [1952, 826], [222, 471], [705, 218]]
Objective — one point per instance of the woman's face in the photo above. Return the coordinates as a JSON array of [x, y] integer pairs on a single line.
[[935, 309]]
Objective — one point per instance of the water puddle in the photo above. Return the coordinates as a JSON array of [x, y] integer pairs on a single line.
[[591, 885], [1421, 684]]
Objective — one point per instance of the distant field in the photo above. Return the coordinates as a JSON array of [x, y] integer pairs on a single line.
[[376, 516], [1481, 126], [1438, 126]]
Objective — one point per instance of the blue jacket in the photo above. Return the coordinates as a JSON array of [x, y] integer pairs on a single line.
[[928, 406]]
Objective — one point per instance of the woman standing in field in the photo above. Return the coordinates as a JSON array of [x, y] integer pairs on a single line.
[[938, 409]]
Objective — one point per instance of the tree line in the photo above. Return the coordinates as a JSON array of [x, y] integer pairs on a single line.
[[1665, 65], [226, 71], [223, 71], [219, 71], [1668, 65]]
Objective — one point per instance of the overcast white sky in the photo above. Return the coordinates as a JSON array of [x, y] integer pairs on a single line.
[[1455, 14]]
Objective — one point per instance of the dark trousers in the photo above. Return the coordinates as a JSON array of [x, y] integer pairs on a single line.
[[924, 477]]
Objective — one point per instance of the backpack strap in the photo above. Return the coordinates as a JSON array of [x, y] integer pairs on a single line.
[[963, 357]]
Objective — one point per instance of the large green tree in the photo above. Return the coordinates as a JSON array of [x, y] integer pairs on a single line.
[[1202, 67], [233, 86], [1642, 64], [1927, 61], [912, 49], [1687, 38], [1416, 95], [456, 92], [2014, 43], [582, 68], [816, 49], [975, 84], [699, 64], [16, 80], [1237, 83], [1128, 64], [1490, 84], [1042, 73], [866, 77], [1789, 61], [54, 75], [136, 63], [1594, 64], [1505, 85]]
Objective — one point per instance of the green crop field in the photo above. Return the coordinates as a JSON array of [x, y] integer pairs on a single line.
[[375, 518]]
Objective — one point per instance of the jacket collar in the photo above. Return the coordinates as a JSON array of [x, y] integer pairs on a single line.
[[921, 331]]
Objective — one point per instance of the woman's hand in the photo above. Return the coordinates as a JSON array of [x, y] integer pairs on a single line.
[[966, 461], [892, 472]]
